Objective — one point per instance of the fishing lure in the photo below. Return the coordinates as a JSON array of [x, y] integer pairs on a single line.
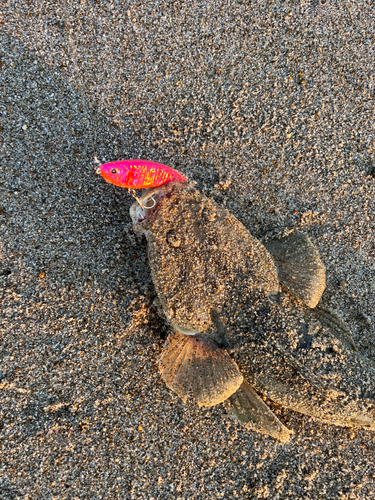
[[139, 174]]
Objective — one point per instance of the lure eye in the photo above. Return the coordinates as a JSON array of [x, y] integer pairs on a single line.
[[114, 171]]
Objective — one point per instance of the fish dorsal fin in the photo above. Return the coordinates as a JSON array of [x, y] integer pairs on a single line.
[[196, 367], [250, 409], [299, 268]]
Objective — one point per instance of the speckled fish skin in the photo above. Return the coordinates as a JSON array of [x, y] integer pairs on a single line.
[[139, 174], [215, 280]]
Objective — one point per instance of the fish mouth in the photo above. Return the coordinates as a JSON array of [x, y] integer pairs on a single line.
[[142, 209], [146, 206]]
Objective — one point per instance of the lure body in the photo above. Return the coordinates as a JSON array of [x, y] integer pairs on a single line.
[[139, 174]]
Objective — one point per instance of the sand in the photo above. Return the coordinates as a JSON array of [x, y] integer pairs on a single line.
[[269, 107]]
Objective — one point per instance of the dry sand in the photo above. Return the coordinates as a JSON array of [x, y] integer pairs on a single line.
[[269, 107]]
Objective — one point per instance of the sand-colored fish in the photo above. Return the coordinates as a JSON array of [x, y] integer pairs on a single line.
[[246, 318]]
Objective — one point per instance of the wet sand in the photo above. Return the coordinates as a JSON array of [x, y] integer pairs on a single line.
[[270, 109]]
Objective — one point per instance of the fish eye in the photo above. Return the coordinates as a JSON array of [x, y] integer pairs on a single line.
[[114, 171]]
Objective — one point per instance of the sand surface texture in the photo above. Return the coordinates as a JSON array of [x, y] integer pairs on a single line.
[[269, 107]]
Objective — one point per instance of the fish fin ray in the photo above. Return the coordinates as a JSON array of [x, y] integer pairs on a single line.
[[299, 268], [202, 370], [337, 326], [250, 409]]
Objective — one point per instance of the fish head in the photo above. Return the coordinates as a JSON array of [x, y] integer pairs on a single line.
[[144, 211], [203, 261], [172, 217]]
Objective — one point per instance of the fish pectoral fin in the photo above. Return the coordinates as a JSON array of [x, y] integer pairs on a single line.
[[250, 409], [336, 325], [195, 367], [299, 268]]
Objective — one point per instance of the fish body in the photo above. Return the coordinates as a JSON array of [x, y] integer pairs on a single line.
[[139, 174], [224, 291]]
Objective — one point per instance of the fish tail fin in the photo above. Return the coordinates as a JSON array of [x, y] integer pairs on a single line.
[[250, 409]]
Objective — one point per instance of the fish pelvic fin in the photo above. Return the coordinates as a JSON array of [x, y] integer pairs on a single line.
[[194, 367]]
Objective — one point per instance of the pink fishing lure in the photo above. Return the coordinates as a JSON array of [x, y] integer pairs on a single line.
[[139, 174]]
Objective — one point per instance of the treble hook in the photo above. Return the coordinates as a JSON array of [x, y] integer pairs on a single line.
[[140, 213], [145, 207], [153, 204]]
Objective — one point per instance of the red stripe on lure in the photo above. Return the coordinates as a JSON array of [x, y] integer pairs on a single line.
[[139, 174]]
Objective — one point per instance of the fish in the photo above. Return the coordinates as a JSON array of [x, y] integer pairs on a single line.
[[246, 317]]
